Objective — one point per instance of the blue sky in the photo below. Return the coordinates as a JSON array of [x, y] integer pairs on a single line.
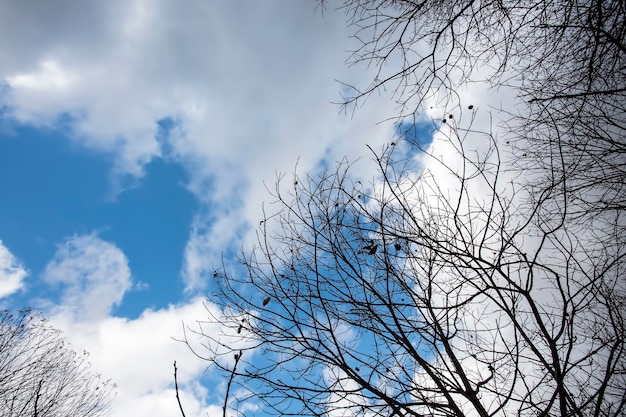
[[54, 189], [137, 143]]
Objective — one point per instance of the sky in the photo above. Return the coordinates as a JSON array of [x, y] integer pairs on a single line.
[[138, 141]]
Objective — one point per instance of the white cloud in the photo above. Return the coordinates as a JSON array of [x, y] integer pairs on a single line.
[[12, 273], [249, 85], [138, 356], [94, 275]]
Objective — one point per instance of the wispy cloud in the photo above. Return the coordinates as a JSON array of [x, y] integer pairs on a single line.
[[12, 273]]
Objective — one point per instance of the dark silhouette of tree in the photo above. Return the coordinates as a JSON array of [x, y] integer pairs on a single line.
[[478, 300], [41, 376], [458, 282]]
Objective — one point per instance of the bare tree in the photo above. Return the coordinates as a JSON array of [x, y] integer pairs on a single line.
[[41, 376], [439, 289], [457, 282]]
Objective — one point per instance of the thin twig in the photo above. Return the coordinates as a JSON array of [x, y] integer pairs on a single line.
[[230, 381], [176, 386]]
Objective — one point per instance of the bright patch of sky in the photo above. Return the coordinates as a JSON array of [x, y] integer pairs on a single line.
[[137, 143]]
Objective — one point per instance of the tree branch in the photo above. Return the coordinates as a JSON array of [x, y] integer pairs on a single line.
[[176, 386]]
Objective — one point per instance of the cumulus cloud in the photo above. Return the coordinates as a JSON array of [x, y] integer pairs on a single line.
[[94, 275], [249, 89], [138, 356], [12, 273]]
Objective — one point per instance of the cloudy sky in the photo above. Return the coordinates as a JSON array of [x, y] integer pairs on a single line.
[[137, 143]]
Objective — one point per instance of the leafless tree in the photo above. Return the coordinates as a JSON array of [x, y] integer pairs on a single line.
[[41, 376], [458, 281], [438, 289]]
